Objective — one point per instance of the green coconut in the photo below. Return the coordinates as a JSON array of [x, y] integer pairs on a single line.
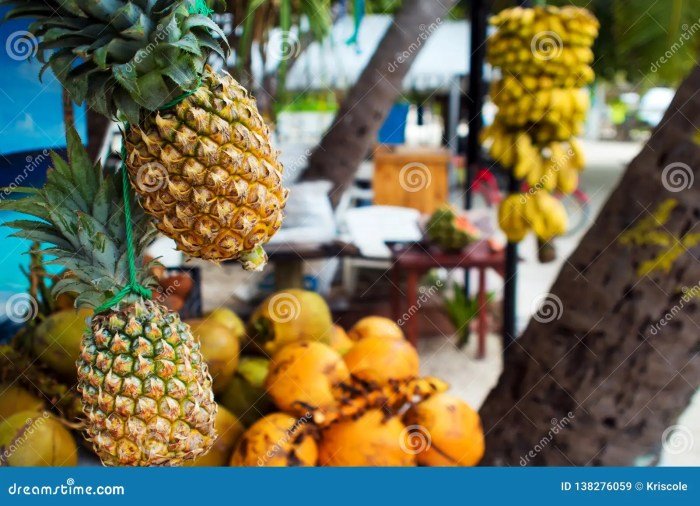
[[219, 347], [56, 341], [289, 316], [34, 438], [228, 319], [14, 398], [228, 430], [245, 396]]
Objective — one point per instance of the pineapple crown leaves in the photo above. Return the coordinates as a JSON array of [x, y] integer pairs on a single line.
[[79, 214], [123, 57]]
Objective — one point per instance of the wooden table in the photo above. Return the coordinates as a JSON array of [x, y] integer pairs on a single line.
[[416, 258], [289, 259]]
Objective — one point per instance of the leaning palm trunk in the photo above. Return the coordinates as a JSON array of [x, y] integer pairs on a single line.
[[604, 372], [363, 110]]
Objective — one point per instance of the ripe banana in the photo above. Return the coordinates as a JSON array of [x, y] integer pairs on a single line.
[[511, 217], [546, 215]]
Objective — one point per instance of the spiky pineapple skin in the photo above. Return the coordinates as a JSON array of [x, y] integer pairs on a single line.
[[205, 169], [146, 390]]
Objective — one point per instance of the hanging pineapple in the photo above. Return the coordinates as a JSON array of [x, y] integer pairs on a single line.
[[146, 391], [198, 152]]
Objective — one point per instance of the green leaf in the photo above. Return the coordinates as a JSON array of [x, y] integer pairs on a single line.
[[188, 43], [70, 285], [152, 91], [81, 165], [126, 76], [183, 74], [126, 16], [100, 9], [93, 236], [90, 299], [126, 105], [197, 20], [65, 221], [38, 235], [204, 39]]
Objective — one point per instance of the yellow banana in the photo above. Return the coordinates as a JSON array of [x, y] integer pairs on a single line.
[[546, 215], [567, 179], [511, 217]]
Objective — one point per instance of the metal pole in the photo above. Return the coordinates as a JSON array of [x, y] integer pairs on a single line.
[[475, 95], [475, 102], [510, 288]]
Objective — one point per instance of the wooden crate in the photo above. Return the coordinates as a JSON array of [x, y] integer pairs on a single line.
[[415, 178]]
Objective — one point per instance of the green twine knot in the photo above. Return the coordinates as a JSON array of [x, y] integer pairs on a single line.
[[133, 286], [200, 7]]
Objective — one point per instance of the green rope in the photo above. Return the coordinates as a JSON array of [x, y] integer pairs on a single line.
[[133, 286], [201, 7]]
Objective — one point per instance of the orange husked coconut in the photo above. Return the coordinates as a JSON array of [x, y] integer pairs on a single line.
[[375, 326], [379, 359], [302, 377], [276, 440], [371, 440], [445, 431]]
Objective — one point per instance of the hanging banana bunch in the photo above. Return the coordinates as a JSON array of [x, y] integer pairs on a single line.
[[544, 55]]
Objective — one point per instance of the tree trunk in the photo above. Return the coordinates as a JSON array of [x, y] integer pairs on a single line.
[[619, 358], [364, 108]]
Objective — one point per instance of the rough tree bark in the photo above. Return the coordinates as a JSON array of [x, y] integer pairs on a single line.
[[605, 357], [347, 141]]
